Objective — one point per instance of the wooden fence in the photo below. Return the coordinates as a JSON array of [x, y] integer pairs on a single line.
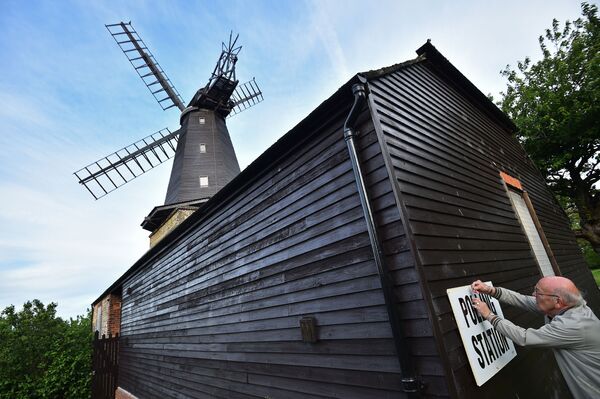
[[105, 366]]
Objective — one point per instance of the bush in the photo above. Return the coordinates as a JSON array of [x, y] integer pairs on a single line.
[[43, 356]]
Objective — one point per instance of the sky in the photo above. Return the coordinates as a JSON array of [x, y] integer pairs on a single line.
[[69, 97]]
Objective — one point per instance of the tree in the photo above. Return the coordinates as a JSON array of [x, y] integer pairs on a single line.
[[555, 104], [69, 370], [43, 356]]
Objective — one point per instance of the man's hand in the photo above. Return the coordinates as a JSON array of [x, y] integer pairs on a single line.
[[481, 307], [479, 286]]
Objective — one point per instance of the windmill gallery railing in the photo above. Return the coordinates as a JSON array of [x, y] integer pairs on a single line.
[[105, 365]]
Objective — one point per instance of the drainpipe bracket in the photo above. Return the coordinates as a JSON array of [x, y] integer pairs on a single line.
[[349, 134], [360, 94], [412, 385]]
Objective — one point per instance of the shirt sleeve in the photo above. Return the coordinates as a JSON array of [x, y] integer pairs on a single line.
[[526, 302], [551, 335]]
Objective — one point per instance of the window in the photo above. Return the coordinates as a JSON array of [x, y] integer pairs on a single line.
[[202, 121], [99, 317], [533, 231], [203, 181], [202, 147]]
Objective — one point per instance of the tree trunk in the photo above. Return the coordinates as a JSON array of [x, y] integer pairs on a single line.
[[587, 203], [592, 234]]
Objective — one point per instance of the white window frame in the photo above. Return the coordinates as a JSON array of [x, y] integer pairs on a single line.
[[99, 318], [531, 226]]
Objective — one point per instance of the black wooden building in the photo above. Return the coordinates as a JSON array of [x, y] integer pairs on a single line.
[[277, 287]]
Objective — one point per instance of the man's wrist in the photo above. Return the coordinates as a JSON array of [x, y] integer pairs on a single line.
[[496, 292], [493, 319]]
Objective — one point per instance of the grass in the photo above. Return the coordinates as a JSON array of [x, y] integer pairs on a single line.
[[596, 274]]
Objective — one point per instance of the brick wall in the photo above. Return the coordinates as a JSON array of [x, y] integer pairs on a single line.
[[108, 311], [114, 315], [173, 221]]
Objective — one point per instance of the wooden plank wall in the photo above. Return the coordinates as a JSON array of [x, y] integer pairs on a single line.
[[446, 155], [217, 315], [218, 162], [410, 303]]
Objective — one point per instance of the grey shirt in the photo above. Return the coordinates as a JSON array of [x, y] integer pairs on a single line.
[[573, 335]]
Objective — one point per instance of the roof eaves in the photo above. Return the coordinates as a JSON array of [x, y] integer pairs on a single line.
[[427, 52], [449, 71], [160, 213], [377, 73], [275, 152]]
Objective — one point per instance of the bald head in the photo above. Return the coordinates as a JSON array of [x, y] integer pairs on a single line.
[[563, 287]]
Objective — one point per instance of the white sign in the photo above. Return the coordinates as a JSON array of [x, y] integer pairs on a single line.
[[487, 349]]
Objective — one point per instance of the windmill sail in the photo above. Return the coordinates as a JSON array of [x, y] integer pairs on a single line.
[[113, 171], [205, 159], [245, 96], [145, 65]]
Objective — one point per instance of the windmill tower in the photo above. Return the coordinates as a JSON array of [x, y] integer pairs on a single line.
[[205, 159]]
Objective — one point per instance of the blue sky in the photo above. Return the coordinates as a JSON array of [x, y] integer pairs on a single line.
[[68, 97]]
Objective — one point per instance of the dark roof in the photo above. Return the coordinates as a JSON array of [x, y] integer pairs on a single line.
[[426, 54], [455, 77], [159, 214], [429, 54]]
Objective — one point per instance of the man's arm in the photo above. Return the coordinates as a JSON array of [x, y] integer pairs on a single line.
[[552, 335], [507, 296], [514, 298]]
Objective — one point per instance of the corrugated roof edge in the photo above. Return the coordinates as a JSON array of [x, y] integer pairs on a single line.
[[427, 52]]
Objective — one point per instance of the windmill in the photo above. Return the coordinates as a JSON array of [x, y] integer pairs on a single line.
[[205, 159]]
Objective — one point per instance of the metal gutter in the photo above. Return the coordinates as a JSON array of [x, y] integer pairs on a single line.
[[410, 382]]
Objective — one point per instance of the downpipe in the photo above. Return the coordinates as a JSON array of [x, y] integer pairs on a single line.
[[410, 383]]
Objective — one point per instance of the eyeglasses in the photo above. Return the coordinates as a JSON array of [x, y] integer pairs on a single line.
[[538, 293]]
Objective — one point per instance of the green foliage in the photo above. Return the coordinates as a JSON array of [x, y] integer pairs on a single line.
[[596, 274], [555, 103], [590, 256], [43, 356]]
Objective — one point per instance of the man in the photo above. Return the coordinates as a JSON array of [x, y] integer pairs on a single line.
[[571, 329]]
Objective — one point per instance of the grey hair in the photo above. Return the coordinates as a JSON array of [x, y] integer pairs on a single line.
[[570, 298]]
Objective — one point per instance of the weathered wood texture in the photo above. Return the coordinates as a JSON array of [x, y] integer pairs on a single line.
[[446, 155], [217, 162], [217, 314], [399, 261], [105, 366]]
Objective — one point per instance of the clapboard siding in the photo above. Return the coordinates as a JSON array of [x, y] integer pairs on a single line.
[[399, 260], [223, 375], [217, 313], [446, 155], [213, 310]]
